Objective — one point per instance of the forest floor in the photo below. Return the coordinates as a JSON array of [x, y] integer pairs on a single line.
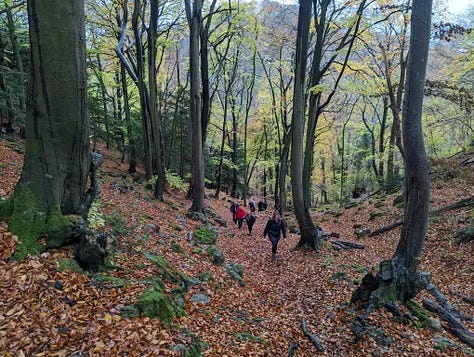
[[46, 310]]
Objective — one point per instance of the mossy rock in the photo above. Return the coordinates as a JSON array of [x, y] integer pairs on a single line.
[[195, 349], [164, 268], [205, 236], [197, 250], [206, 276], [156, 304], [68, 264], [216, 255], [129, 311], [236, 271], [175, 247]]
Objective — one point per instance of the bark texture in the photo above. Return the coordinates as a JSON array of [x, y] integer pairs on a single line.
[[50, 195]]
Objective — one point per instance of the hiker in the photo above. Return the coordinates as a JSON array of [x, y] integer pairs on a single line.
[[233, 209], [274, 227], [262, 205], [240, 215], [252, 205], [250, 218]]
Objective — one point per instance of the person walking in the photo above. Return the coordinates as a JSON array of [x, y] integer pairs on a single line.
[[240, 215], [252, 205], [250, 218], [274, 228]]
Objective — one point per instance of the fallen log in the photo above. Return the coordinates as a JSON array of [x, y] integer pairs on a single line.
[[313, 338], [468, 202], [346, 245], [454, 325]]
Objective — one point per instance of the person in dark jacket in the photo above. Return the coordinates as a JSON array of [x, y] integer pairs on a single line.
[[250, 219], [274, 228], [233, 209]]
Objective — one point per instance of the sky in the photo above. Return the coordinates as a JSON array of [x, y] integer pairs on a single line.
[[458, 6]]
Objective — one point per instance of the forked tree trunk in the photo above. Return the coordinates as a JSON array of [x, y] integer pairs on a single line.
[[50, 194], [308, 230]]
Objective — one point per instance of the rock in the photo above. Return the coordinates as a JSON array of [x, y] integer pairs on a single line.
[[200, 298], [362, 232], [433, 323], [216, 254]]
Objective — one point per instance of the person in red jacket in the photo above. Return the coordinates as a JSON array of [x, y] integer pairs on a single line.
[[240, 215]]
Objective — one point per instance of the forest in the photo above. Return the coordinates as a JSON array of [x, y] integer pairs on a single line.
[[129, 127]]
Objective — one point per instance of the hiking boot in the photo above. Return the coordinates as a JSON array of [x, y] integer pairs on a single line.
[[274, 257]]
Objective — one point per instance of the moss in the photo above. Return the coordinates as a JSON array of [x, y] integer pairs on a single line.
[[236, 271], [175, 247], [197, 250], [6, 208], [205, 236], [164, 268], [421, 314], [60, 229], [68, 264], [28, 221], [155, 303], [206, 276], [216, 255]]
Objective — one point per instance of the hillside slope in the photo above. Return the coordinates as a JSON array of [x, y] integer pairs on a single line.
[[47, 309]]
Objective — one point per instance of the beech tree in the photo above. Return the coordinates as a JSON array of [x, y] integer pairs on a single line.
[[398, 278], [194, 16], [50, 197]]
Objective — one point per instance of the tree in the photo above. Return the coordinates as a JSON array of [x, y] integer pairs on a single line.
[[50, 196], [307, 228], [398, 277], [194, 16]]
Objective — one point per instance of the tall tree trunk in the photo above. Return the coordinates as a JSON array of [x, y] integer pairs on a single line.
[[308, 230], [57, 156], [155, 116], [399, 277], [103, 94], [194, 16], [132, 156]]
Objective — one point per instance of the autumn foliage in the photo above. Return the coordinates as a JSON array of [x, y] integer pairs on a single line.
[[49, 308]]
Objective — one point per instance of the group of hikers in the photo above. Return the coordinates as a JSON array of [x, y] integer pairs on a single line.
[[274, 228]]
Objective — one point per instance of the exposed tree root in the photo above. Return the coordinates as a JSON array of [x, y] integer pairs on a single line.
[[453, 324], [292, 349], [465, 298], [313, 338]]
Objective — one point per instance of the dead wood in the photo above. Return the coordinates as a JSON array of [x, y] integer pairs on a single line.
[[313, 338], [292, 349], [453, 324], [467, 202], [340, 244], [465, 298], [443, 301]]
